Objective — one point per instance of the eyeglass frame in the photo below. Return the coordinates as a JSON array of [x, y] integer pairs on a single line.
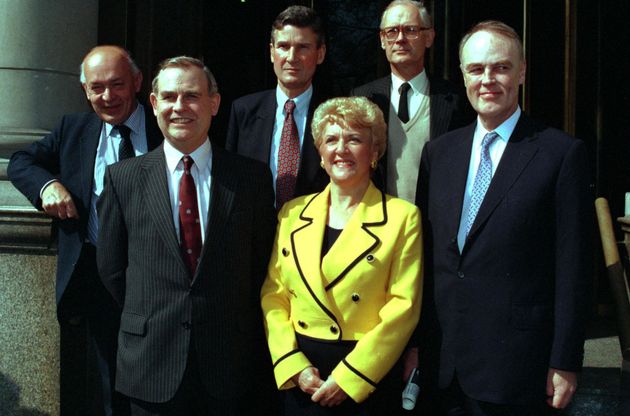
[[405, 35]]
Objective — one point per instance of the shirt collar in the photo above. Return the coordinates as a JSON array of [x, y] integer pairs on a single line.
[[505, 129], [134, 122], [418, 84], [301, 101], [200, 155]]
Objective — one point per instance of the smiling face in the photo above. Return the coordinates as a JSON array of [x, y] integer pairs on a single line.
[[405, 56], [184, 107], [110, 84], [493, 71], [295, 56], [347, 152]]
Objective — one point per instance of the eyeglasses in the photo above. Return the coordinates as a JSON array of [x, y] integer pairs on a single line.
[[410, 32]]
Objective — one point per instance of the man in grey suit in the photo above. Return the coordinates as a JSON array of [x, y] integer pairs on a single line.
[[417, 107], [186, 236]]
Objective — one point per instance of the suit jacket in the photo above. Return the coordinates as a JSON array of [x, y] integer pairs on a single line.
[[166, 315], [514, 302], [68, 154], [447, 110], [367, 288], [252, 118]]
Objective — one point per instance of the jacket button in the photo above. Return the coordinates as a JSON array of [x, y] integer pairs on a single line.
[[302, 324], [285, 252], [370, 258], [460, 274], [355, 297], [186, 325], [333, 329], [453, 240]]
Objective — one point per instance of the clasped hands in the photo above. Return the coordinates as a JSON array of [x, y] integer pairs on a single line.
[[326, 393]]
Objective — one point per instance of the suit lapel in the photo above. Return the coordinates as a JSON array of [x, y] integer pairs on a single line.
[[357, 239], [89, 144], [455, 177], [306, 241], [221, 205], [309, 163], [157, 198], [517, 155], [262, 131]]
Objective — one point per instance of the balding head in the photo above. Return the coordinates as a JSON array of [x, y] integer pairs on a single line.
[[111, 80]]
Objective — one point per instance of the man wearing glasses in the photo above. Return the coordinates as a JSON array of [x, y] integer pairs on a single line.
[[417, 107]]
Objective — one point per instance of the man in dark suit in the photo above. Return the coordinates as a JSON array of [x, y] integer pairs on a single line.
[[259, 122], [186, 236], [508, 212], [63, 175], [416, 107]]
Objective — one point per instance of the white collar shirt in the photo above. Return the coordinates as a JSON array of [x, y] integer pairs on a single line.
[[201, 172]]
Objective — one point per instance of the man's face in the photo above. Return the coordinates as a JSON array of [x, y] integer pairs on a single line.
[[493, 71], [110, 85], [295, 56], [183, 107], [405, 56]]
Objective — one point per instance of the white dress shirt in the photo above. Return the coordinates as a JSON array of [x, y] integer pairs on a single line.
[[107, 154], [419, 91], [496, 149], [201, 172]]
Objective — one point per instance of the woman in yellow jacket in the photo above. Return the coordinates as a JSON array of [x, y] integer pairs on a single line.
[[342, 294]]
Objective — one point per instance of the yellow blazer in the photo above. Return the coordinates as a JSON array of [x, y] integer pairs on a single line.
[[367, 288]]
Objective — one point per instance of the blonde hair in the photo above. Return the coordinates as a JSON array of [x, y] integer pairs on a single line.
[[352, 111]]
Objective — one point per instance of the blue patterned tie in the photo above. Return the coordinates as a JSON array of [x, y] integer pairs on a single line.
[[482, 180]]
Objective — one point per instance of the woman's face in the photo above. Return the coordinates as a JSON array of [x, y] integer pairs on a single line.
[[347, 152]]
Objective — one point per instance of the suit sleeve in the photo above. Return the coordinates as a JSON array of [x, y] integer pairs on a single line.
[[379, 349], [574, 212], [111, 255], [231, 141], [286, 357], [29, 170]]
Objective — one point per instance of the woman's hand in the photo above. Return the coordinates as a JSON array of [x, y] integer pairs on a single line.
[[329, 394], [308, 380]]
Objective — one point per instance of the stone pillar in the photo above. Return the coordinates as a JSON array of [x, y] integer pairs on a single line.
[[43, 43]]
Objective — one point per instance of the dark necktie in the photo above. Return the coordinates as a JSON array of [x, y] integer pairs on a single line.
[[125, 150], [288, 157], [189, 227], [403, 105], [482, 180]]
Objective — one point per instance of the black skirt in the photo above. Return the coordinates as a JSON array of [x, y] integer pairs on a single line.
[[325, 356]]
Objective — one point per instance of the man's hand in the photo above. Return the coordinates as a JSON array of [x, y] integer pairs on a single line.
[[560, 387], [410, 361], [329, 394], [308, 380], [57, 201]]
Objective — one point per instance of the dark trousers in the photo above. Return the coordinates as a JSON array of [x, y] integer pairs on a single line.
[[86, 297], [386, 399], [192, 399], [454, 402]]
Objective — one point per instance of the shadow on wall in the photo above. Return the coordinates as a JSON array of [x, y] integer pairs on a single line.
[[10, 400]]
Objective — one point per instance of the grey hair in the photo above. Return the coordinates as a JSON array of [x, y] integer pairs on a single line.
[[425, 17], [183, 62], [132, 64]]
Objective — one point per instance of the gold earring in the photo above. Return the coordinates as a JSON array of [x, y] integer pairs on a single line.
[[321, 163], [373, 164]]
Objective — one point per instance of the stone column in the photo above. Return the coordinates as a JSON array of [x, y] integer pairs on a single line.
[[43, 43]]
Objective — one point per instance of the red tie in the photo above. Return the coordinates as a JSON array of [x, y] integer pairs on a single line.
[[288, 157], [189, 228]]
